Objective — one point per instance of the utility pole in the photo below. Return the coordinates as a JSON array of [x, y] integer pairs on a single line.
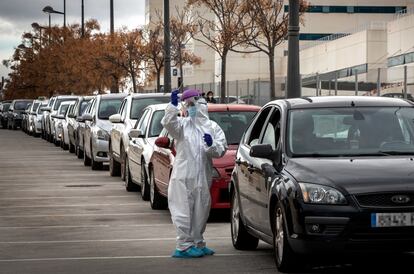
[[111, 4], [64, 13], [167, 52], [83, 19], [293, 71]]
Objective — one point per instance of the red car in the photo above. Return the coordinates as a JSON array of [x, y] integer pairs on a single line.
[[233, 119]]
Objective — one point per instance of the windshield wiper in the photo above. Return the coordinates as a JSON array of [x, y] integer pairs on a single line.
[[315, 154], [396, 152]]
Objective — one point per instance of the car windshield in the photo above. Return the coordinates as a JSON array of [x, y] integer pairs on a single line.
[[107, 107], [83, 106], [51, 102], [138, 104], [369, 131], [63, 109], [35, 106], [156, 127], [6, 107], [60, 101], [233, 123], [21, 105], [39, 110]]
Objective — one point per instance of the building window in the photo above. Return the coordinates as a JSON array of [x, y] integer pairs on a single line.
[[409, 58], [352, 9], [325, 9], [396, 61], [312, 36]]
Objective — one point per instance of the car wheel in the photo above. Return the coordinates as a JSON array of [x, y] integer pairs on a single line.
[[129, 184], [144, 183], [86, 159], [123, 159], [94, 164], [71, 148], [286, 260], [114, 166], [157, 201], [241, 239], [79, 153]]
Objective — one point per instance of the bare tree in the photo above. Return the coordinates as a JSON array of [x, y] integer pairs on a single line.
[[268, 29], [224, 32], [154, 50]]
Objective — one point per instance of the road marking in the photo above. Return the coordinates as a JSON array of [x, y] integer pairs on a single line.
[[85, 215], [108, 240], [73, 205], [127, 257], [64, 197]]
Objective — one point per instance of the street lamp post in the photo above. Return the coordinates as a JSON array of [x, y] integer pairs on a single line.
[[167, 45], [293, 73], [50, 10], [83, 19], [111, 7]]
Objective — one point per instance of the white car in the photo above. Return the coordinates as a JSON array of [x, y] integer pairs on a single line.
[[97, 128], [39, 118], [131, 110], [35, 126], [141, 147], [60, 123]]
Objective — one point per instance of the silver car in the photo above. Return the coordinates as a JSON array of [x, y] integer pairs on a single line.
[[141, 147], [75, 126], [38, 119], [59, 119], [97, 128], [131, 110], [33, 127]]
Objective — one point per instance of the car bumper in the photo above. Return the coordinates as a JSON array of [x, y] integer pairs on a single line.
[[326, 229], [100, 150]]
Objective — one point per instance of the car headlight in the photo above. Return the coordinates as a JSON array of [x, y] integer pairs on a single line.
[[319, 194], [102, 135], [215, 173]]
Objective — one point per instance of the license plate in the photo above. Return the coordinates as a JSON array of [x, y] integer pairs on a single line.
[[392, 219]]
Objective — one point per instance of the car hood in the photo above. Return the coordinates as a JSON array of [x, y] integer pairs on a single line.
[[228, 159], [105, 125], [357, 175]]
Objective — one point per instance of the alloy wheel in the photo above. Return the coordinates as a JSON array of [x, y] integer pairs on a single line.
[[279, 235], [235, 218]]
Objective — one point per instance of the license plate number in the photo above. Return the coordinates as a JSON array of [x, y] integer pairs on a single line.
[[392, 219]]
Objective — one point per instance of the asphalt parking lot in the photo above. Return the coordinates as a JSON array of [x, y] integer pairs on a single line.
[[57, 216]]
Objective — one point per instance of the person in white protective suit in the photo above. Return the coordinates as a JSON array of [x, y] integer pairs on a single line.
[[198, 140]]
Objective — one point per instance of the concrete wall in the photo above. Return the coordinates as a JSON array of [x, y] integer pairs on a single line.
[[401, 35]]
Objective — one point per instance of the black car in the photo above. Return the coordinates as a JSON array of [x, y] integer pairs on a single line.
[[4, 112], [16, 110], [325, 175]]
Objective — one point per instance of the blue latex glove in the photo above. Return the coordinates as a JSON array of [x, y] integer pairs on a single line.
[[174, 98], [208, 139]]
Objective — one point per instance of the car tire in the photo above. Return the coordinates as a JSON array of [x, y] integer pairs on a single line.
[[86, 159], [144, 183], [79, 153], [123, 159], [71, 148], [130, 186], [94, 164], [157, 201], [242, 240], [114, 166], [286, 260]]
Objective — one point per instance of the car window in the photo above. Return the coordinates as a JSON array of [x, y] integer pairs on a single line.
[[271, 134], [51, 102], [123, 109], [6, 107], [142, 122], [138, 104], [108, 107], [21, 105], [73, 109], [35, 106], [351, 131], [253, 133], [60, 101], [63, 109], [156, 126], [39, 111], [91, 109], [233, 123]]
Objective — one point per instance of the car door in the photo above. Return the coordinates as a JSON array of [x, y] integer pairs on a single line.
[[134, 149], [117, 130], [162, 163], [249, 181], [88, 127]]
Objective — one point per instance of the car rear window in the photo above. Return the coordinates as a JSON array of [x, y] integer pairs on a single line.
[[107, 107], [138, 104], [233, 123], [21, 105]]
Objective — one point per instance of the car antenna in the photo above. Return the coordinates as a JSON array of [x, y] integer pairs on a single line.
[[307, 99], [352, 104]]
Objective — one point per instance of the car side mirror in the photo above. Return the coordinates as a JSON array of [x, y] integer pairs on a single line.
[[266, 151], [135, 133], [163, 142], [87, 117], [80, 119], [115, 118]]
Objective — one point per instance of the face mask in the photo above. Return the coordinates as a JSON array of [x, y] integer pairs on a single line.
[[210, 96], [192, 111]]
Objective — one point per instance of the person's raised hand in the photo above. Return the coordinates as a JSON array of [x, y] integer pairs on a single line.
[[174, 97]]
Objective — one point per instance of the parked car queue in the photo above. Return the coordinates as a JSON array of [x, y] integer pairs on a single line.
[[310, 176]]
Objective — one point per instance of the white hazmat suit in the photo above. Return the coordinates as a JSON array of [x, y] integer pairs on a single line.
[[189, 188]]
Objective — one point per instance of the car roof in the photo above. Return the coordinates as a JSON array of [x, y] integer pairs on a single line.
[[157, 106], [66, 97], [342, 101], [112, 95], [146, 95], [232, 107]]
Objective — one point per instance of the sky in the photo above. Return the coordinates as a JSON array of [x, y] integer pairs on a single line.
[[16, 17]]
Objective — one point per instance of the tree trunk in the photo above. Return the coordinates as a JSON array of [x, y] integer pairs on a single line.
[[158, 80], [223, 77], [133, 77], [115, 87], [272, 74]]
